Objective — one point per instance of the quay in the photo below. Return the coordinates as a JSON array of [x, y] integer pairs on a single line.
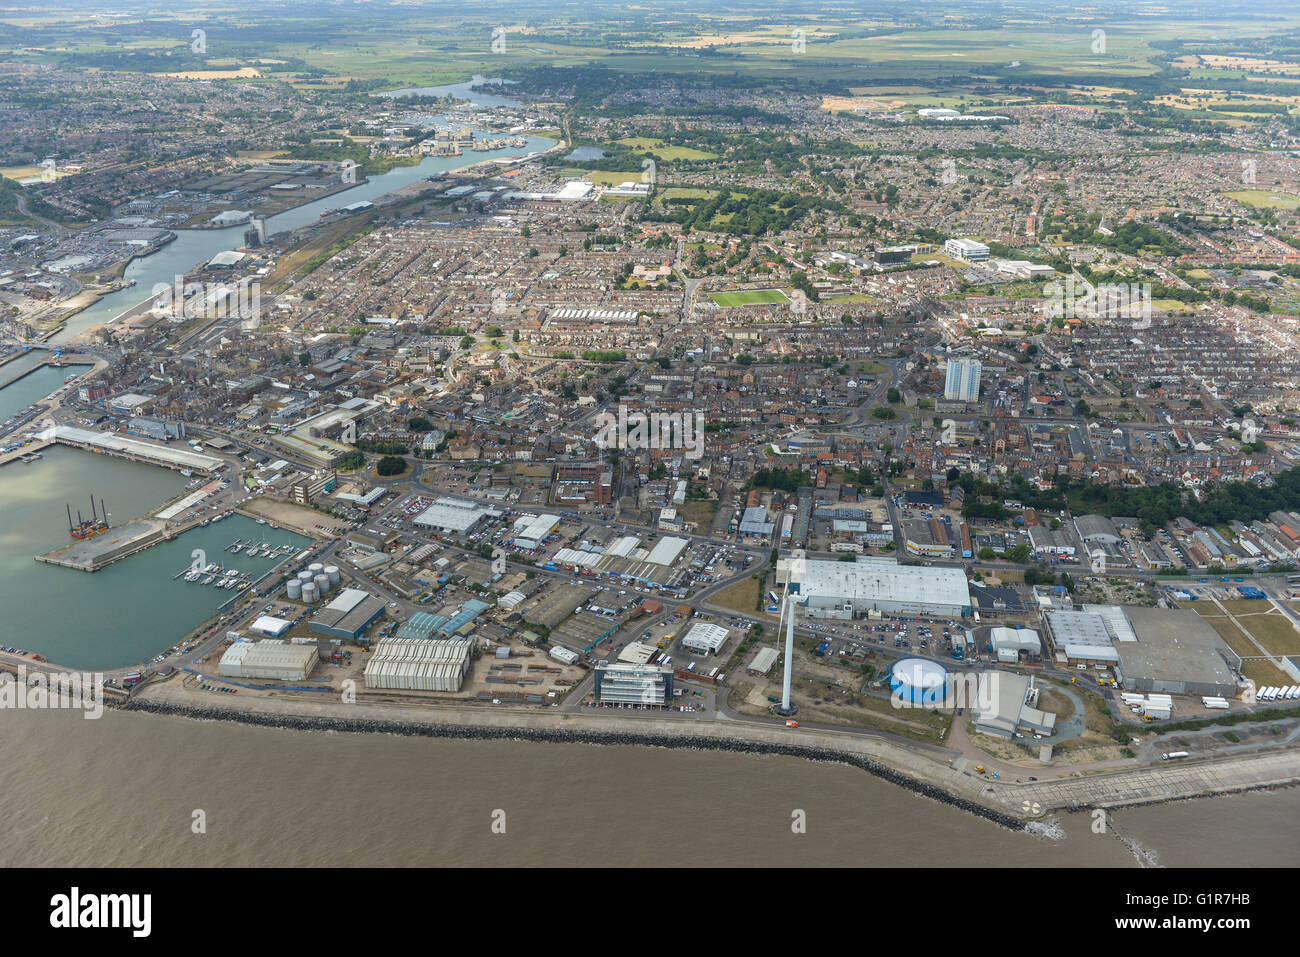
[[119, 446], [92, 554]]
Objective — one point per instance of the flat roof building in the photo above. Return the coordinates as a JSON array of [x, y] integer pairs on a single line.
[[1007, 706], [705, 638], [623, 683], [348, 615], [846, 590], [454, 516], [1176, 652], [268, 659]]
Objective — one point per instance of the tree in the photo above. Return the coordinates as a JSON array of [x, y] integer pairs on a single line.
[[391, 465], [420, 424], [893, 395], [304, 359], [1019, 554]]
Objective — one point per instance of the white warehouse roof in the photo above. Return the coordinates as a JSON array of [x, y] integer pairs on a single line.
[[705, 637], [883, 580], [666, 551]]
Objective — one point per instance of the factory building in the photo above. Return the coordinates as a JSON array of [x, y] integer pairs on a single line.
[[1007, 706], [848, 590], [530, 531], [633, 684], [454, 516], [270, 626], [416, 664], [1097, 530], [1176, 652], [1010, 643], [1088, 635], [268, 659], [348, 615], [705, 638]]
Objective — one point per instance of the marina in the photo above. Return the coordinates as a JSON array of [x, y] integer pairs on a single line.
[[131, 608]]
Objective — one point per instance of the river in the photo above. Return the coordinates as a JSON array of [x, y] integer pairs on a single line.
[[194, 246]]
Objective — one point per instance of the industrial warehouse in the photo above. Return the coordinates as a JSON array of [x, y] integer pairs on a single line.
[[848, 590], [418, 664], [276, 660]]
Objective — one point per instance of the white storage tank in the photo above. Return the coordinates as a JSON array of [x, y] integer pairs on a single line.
[[315, 568], [322, 582], [333, 572], [305, 576], [309, 593], [294, 589]]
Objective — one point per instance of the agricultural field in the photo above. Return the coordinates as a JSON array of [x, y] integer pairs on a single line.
[[749, 297]]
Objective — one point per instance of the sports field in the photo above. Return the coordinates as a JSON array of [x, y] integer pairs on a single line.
[[749, 297], [1263, 199]]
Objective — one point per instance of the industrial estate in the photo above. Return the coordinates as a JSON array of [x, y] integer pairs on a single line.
[[754, 381]]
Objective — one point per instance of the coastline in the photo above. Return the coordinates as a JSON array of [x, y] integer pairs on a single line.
[[293, 722], [1007, 804]]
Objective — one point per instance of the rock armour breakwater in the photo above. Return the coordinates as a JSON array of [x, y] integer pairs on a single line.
[[559, 736]]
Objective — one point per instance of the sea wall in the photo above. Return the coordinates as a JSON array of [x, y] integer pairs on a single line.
[[576, 736]]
